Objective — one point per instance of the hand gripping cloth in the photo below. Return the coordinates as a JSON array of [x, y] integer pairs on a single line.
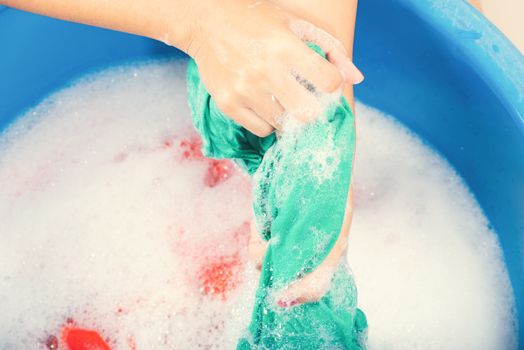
[[300, 181]]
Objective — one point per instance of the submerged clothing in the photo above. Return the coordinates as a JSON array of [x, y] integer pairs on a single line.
[[300, 183]]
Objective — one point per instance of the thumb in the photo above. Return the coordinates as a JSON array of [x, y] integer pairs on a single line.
[[335, 51]]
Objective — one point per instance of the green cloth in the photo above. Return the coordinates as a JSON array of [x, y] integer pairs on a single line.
[[300, 184]]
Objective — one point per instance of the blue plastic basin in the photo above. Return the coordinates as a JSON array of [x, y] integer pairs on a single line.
[[436, 65]]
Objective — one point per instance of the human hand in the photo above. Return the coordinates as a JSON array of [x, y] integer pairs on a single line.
[[309, 288], [253, 61]]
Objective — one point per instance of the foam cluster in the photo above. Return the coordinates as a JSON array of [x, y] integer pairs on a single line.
[[117, 232]]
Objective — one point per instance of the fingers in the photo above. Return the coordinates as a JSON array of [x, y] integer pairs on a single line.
[[347, 68], [283, 303], [302, 291], [292, 92], [313, 74], [248, 119], [295, 298], [267, 107], [294, 85], [320, 73], [335, 51], [253, 122], [310, 288]]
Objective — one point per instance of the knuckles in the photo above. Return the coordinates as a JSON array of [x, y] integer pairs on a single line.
[[334, 80], [263, 131], [227, 101]]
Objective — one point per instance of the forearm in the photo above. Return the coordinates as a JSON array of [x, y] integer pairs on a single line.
[[340, 246], [150, 18]]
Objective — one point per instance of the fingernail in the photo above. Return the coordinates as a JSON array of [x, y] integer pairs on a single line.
[[353, 76], [358, 76], [282, 303]]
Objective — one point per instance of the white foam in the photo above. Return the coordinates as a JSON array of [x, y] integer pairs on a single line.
[[430, 271], [104, 222]]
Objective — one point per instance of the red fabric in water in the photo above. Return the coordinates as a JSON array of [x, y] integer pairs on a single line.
[[83, 339]]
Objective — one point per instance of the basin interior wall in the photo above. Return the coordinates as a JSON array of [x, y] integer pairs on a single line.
[[437, 66]]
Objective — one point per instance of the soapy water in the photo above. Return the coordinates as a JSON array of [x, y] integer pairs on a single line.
[[117, 232]]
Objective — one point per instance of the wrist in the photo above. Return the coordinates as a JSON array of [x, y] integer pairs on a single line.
[[181, 26]]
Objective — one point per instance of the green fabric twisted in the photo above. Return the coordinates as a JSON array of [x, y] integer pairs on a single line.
[[300, 183]]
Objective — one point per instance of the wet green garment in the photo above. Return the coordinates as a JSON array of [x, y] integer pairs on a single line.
[[300, 183]]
